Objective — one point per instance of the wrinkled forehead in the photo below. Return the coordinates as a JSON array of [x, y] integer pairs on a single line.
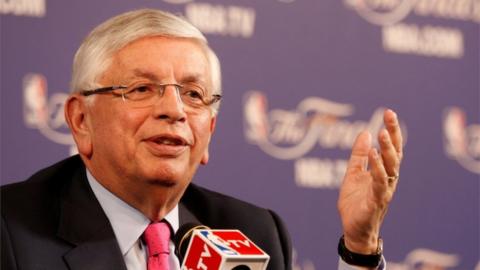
[[160, 58]]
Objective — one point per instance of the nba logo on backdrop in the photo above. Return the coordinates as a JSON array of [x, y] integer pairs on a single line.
[[462, 141], [34, 100], [45, 113]]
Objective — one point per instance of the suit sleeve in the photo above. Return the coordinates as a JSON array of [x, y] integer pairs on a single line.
[[7, 257], [285, 241]]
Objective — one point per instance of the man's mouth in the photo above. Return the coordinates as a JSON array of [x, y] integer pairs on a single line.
[[168, 144], [168, 140]]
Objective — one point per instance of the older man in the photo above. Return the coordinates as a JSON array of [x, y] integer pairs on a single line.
[[145, 94]]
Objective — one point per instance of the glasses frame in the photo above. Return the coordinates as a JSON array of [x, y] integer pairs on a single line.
[[214, 98]]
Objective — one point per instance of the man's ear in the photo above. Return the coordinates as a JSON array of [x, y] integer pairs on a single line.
[[205, 156], [76, 117]]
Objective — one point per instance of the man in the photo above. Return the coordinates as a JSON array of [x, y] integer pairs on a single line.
[[145, 94]]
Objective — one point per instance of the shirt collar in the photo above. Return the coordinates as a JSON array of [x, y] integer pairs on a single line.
[[127, 222]]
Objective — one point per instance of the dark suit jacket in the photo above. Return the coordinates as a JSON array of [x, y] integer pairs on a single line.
[[53, 221]]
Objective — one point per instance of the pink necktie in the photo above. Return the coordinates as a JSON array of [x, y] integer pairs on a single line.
[[157, 237]]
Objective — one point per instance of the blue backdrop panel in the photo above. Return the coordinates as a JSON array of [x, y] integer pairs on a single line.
[[301, 79]]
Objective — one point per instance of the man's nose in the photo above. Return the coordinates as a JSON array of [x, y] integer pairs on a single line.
[[169, 105]]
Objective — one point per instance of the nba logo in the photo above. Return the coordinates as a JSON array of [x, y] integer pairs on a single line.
[[34, 100], [223, 250]]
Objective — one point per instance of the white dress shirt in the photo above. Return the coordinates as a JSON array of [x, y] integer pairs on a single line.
[[129, 224]]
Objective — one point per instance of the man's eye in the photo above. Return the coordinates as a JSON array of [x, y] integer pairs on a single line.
[[194, 94], [140, 92], [141, 89]]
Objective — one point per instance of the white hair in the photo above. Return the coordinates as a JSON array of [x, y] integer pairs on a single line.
[[94, 55]]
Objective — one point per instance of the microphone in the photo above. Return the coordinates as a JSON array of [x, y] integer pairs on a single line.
[[201, 248], [182, 238]]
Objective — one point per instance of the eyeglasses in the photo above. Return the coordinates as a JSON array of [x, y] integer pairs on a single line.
[[146, 94]]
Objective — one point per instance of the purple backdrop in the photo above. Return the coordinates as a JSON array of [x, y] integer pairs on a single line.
[[301, 78]]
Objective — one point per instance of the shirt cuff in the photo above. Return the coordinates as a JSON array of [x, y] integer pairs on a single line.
[[345, 266]]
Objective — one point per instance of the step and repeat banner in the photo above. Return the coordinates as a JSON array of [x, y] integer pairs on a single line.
[[301, 78]]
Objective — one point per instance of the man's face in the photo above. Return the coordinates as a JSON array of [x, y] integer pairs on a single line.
[[137, 150]]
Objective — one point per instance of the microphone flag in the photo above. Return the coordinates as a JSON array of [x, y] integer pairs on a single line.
[[223, 250]]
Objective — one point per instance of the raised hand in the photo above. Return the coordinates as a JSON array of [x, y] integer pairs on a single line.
[[369, 184]]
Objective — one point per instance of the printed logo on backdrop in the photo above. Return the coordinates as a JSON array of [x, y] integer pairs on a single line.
[[45, 113], [434, 39], [222, 20], [426, 259], [315, 123], [417, 259], [461, 141], [29, 8]]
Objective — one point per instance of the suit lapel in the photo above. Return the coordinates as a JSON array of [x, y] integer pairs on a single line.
[[185, 215], [83, 223]]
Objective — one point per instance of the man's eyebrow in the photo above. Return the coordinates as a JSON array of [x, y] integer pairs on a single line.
[[145, 74], [193, 79], [190, 78]]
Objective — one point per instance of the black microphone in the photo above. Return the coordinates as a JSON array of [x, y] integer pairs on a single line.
[[181, 239], [241, 267], [200, 248]]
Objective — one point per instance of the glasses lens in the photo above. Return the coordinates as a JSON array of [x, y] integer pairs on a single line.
[[142, 94], [146, 94], [193, 95]]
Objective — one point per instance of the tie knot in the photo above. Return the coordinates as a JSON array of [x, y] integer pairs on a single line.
[[157, 237]]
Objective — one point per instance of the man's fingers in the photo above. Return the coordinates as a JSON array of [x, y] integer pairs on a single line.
[[389, 154], [361, 147], [391, 123], [381, 181]]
